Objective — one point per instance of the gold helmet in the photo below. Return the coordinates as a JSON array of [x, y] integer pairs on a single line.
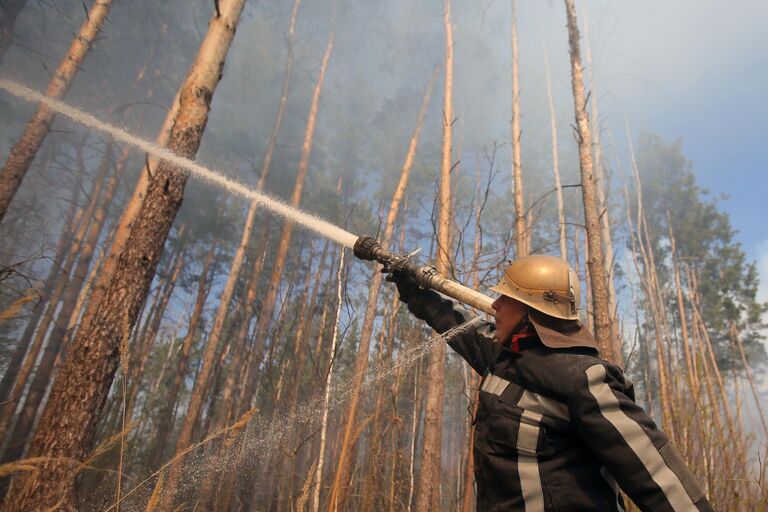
[[545, 283]]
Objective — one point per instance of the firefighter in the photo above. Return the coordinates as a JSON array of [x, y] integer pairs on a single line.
[[557, 427]]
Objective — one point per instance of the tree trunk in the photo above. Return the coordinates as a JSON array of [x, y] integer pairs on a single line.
[[287, 74], [209, 357], [371, 480], [71, 220], [146, 344], [690, 370], [128, 218], [473, 391], [250, 296], [600, 299], [67, 426], [339, 491], [602, 189], [39, 386], [301, 339], [521, 231], [166, 416], [556, 162], [242, 354], [428, 489], [265, 167], [648, 277], [268, 306], [24, 151], [62, 287]]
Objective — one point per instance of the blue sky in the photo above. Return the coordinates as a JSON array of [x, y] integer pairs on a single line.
[[697, 70]]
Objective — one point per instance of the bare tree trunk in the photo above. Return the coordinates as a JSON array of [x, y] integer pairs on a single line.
[[61, 292], [303, 330], [209, 357], [602, 188], [652, 289], [265, 167], [600, 299], [339, 491], [370, 480], [268, 306], [556, 161], [128, 218], [9, 11], [67, 426], [473, 388], [71, 220], [521, 231], [428, 490], [24, 151], [414, 434], [318, 481], [277, 462], [238, 361], [147, 344], [239, 364], [690, 371], [287, 74], [34, 398], [165, 422]]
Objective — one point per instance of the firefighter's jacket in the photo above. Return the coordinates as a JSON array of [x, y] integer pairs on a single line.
[[558, 429]]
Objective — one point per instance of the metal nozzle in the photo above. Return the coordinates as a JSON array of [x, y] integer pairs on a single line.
[[369, 249], [365, 247]]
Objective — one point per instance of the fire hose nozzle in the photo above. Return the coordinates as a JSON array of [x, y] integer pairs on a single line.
[[365, 248], [369, 249]]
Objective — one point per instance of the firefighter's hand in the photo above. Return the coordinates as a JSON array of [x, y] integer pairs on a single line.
[[406, 285]]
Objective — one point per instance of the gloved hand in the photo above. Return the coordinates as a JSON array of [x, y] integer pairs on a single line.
[[406, 285]]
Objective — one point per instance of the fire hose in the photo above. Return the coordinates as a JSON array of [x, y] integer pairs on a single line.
[[369, 249]]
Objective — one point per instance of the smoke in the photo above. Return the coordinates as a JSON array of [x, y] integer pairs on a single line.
[[209, 176]]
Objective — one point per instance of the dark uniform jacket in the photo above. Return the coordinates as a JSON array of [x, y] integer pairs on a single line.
[[558, 429]]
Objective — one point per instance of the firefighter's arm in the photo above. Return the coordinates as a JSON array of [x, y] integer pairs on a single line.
[[475, 343], [625, 439]]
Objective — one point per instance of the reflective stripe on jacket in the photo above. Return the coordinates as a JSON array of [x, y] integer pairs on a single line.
[[558, 429]]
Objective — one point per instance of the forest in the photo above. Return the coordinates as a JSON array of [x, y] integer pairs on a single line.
[[184, 325]]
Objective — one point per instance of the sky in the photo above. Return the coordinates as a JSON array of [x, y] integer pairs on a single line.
[[695, 70], [689, 69]]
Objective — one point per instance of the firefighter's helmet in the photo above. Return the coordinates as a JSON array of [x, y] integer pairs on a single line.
[[545, 283]]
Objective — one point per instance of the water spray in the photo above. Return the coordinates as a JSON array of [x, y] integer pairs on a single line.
[[210, 176], [365, 247], [368, 248]]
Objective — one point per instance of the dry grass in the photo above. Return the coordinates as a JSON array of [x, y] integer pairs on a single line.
[[235, 427], [155, 498]]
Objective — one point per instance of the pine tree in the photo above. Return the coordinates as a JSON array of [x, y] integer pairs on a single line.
[[37, 128], [66, 429], [595, 259], [428, 494]]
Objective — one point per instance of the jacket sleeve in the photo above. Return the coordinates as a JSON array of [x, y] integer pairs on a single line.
[[625, 439], [475, 343]]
